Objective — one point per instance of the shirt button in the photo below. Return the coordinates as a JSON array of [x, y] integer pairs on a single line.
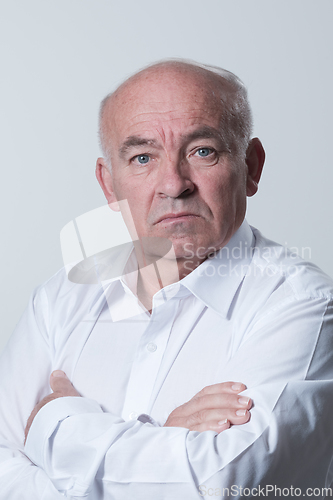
[[151, 347], [133, 415]]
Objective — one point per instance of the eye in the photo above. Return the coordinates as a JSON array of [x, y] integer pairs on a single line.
[[142, 159], [204, 152], [203, 156]]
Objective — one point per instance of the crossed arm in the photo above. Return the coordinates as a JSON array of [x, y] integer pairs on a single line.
[[94, 454], [214, 408]]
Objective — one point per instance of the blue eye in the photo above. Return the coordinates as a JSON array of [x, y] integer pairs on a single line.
[[143, 159], [204, 152]]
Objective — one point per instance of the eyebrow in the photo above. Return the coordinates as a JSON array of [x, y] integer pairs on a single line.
[[134, 140], [205, 132]]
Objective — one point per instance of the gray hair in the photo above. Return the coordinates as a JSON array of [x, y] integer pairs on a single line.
[[236, 121]]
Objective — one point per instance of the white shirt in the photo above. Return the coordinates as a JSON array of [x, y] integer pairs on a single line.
[[255, 313]]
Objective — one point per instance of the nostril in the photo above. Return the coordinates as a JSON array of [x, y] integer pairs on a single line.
[[186, 193], [176, 186]]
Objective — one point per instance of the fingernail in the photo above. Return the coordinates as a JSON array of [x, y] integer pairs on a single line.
[[241, 413], [243, 401], [222, 422], [59, 373], [237, 386]]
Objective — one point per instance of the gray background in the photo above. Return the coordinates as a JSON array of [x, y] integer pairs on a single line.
[[60, 57]]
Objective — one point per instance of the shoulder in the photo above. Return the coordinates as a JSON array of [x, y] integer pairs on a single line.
[[62, 301], [60, 286], [278, 265], [284, 305]]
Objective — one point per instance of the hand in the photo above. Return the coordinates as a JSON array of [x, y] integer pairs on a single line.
[[61, 386], [215, 408]]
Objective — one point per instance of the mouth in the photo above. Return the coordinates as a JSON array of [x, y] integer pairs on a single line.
[[177, 217]]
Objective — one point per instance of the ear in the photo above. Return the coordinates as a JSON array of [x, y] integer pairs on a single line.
[[105, 180], [255, 159]]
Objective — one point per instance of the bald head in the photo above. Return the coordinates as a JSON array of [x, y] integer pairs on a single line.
[[179, 80]]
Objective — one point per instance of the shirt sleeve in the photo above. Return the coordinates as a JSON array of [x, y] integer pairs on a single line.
[[28, 347], [287, 443]]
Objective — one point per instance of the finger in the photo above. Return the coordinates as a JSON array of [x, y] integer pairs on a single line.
[[201, 419], [231, 388], [212, 425], [235, 417], [215, 401], [61, 384], [223, 387]]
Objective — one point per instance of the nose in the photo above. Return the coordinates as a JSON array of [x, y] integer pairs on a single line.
[[174, 180]]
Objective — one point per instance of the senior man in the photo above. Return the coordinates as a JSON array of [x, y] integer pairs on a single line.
[[158, 407]]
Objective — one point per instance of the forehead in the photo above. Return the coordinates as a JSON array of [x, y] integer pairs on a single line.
[[164, 101]]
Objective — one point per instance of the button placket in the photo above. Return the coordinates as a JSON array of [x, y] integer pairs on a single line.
[[148, 359]]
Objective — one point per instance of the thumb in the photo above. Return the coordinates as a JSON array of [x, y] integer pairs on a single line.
[[61, 384]]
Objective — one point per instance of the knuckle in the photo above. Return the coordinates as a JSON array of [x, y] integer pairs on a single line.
[[203, 400], [177, 411], [196, 399], [205, 390], [228, 401], [203, 415], [195, 404], [193, 420], [198, 417]]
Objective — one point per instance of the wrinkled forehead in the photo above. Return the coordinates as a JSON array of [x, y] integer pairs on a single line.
[[165, 95]]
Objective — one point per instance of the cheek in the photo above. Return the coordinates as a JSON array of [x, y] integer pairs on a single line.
[[223, 189], [123, 189], [227, 196], [137, 199]]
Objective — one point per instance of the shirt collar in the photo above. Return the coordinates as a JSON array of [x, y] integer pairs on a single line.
[[216, 281]]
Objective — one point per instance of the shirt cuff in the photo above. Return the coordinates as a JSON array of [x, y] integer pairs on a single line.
[[47, 420]]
